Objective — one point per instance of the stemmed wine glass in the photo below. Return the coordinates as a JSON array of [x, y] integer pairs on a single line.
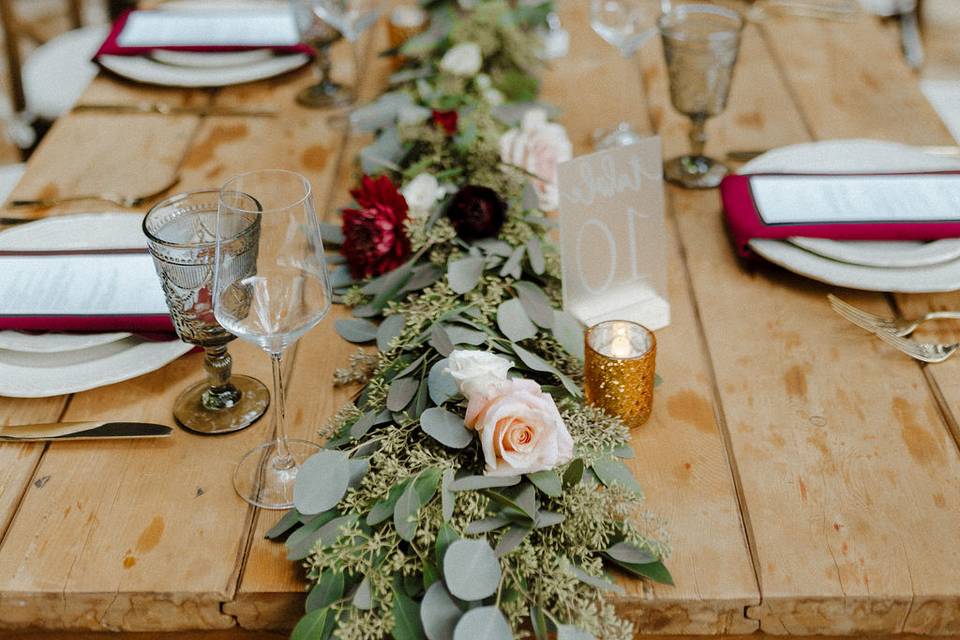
[[626, 24], [286, 295], [321, 23], [700, 44], [181, 235]]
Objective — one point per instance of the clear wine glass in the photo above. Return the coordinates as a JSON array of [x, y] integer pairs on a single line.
[[287, 295], [321, 23], [181, 234], [700, 44], [626, 24]]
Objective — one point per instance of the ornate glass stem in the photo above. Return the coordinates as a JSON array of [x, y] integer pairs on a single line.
[[698, 134], [283, 459], [324, 64], [218, 365]]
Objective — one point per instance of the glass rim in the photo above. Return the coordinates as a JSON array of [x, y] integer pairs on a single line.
[[308, 191], [650, 334], [683, 10], [177, 197]]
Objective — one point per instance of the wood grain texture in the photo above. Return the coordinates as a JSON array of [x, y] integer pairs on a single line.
[[828, 452]]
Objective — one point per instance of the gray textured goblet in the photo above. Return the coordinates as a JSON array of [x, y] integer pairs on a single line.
[[181, 233], [700, 44]]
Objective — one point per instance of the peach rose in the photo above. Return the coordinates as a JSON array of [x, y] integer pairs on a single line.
[[539, 147], [520, 428]]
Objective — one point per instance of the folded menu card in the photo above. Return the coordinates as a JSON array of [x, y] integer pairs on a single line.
[[894, 206], [140, 32], [81, 291]]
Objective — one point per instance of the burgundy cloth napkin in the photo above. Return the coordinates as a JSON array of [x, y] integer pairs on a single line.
[[746, 222], [154, 326], [111, 46]]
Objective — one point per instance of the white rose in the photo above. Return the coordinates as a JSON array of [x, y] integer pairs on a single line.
[[538, 146], [494, 97], [422, 193], [520, 429], [475, 371], [463, 60]]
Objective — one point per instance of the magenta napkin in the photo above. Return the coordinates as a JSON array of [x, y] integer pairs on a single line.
[[884, 206], [65, 291], [112, 47]]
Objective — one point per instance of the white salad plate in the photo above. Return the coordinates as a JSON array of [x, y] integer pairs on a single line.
[[907, 267], [52, 364], [150, 71]]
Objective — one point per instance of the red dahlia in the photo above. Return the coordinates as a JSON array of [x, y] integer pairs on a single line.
[[447, 120], [374, 239]]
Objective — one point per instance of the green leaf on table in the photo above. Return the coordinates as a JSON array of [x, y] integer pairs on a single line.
[[536, 303], [446, 536], [462, 335], [331, 234], [523, 499], [517, 86], [447, 498], [439, 613], [486, 525], [570, 632], [383, 509], [301, 547], [655, 571], [488, 623], [471, 569], [389, 329], [535, 362], [442, 385], [569, 333], [321, 482], [430, 574], [406, 617], [363, 597], [401, 393], [340, 278], [440, 340], [513, 321], [289, 520], [421, 400], [316, 625], [423, 276], [464, 274], [379, 113], [594, 581], [546, 519], [511, 539], [417, 494], [611, 470], [623, 451], [446, 428], [475, 483], [494, 247], [363, 424], [548, 482], [535, 254], [356, 330], [329, 589], [365, 311], [513, 266], [626, 552], [358, 469], [573, 473], [384, 153], [410, 368]]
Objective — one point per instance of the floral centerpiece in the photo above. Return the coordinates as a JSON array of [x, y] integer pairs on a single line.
[[467, 492]]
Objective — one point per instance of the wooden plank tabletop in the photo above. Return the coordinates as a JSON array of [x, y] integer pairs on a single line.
[[809, 475]]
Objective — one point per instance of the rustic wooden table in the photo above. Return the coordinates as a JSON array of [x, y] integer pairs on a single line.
[[810, 475]]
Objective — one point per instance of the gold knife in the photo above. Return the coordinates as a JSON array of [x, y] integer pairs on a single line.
[[743, 155], [82, 431], [168, 109]]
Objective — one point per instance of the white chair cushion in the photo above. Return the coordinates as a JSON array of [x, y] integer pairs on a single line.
[[58, 72]]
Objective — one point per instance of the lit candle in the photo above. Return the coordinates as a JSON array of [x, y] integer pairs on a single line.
[[619, 370]]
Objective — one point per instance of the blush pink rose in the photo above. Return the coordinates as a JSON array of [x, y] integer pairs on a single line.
[[538, 146], [519, 427]]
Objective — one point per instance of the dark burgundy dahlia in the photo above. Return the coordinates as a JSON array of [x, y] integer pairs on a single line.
[[374, 238], [477, 213]]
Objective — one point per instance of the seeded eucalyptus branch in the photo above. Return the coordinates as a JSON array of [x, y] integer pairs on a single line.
[[401, 533]]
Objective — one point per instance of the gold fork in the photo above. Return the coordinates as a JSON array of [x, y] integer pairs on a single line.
[[128, 202]]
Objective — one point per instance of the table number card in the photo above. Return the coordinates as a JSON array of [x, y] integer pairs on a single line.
[[613, 236]]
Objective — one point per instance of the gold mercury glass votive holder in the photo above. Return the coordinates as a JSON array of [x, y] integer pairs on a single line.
[[619, 370]]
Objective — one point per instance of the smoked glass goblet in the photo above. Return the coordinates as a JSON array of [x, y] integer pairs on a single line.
[[700, 45], [181, 234], [288, 295]]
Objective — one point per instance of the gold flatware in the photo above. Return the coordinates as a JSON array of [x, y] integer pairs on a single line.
[[82, 431], [128, 202], [897, 326], [743, 155], [164, 108]]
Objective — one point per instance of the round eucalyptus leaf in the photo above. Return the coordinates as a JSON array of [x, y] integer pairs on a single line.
[[488, 623], [471, 569], [513, 321], [388, 330], [321, 482], [441, 384], [535, 254], [570, 632], [362, 597], [356, 330], [464, 274], [439, 613], [445, 427], [569, 333], [626, 552], [401, 393]]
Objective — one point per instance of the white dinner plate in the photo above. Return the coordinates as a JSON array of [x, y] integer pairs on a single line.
[[52, 364], [150, 71], [209, 60], [908, 267]]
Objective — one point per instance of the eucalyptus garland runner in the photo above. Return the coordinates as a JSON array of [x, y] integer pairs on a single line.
[[468, 492]]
